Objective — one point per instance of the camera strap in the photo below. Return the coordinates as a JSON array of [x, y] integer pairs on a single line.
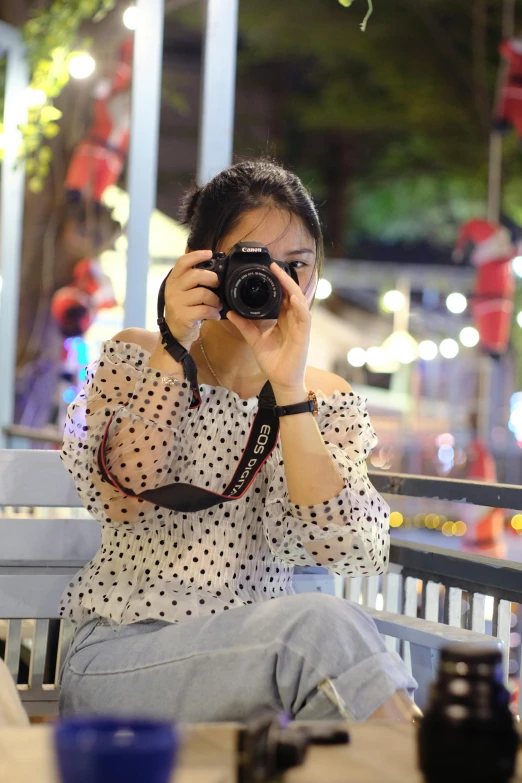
[[178, 496]]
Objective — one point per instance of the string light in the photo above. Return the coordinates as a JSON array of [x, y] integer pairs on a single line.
[[456, 303], [393, 301], [34, 98], [324, 289], [130, 17], [356, 357], [449, 348], [469, 337], [81, 66], [428, 350], [396, 519]]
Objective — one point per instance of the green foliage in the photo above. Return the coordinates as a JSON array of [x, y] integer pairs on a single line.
[[51, 37], [411, 99]]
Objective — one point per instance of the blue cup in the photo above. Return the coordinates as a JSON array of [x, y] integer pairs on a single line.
[[115, 750]]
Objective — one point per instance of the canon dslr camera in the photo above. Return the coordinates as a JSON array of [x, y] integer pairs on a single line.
[[246, 284]]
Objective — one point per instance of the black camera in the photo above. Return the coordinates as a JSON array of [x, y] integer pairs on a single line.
[[246, 284]]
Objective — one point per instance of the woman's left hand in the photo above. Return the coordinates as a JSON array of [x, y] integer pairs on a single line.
[[282, 350]]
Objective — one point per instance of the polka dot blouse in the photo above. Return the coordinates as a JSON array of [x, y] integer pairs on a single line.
[[159, 564]]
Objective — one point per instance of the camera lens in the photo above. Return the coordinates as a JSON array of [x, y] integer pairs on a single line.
[[254, 292]]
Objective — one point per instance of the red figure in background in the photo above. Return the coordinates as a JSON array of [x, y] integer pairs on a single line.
[[99, 158], [509, 111], [491, 250], [74, 307]]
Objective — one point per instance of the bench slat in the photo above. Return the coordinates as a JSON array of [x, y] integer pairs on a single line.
[[48, 539], [12, 650], [35, 477], [35, 596]]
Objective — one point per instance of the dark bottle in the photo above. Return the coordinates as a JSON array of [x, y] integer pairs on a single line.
[[468, 732]]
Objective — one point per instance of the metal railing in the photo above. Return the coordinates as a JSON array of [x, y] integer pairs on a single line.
[[458, 589]]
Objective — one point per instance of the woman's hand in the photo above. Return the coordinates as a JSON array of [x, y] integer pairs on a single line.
[[282, 350], [187, 303]]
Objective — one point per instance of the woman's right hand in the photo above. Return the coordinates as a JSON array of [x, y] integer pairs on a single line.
[[186, 302]]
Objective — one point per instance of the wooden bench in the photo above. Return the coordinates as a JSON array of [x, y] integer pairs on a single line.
[[39, 554]]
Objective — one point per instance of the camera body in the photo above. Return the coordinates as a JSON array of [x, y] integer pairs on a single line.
[[246, 284]]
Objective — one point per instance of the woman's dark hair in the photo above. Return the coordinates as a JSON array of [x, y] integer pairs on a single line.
[[210, 212]]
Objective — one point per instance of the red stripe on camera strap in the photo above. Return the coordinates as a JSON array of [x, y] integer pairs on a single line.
[[187, 497]]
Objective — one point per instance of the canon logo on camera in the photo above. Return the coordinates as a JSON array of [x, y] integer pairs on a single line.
[[252, 249]]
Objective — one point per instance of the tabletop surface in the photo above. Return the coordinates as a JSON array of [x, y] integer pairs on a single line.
[[377, 753]]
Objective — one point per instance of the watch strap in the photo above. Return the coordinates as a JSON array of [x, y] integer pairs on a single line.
[[308, 406]]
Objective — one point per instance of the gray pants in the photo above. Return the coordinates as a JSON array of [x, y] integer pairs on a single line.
[[294, 654]]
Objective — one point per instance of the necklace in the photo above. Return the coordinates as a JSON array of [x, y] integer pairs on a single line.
[[208, 363]]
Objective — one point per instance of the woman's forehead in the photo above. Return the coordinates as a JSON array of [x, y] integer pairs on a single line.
[[280, 231]]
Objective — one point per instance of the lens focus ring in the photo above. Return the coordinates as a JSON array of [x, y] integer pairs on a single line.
[[254, 291]]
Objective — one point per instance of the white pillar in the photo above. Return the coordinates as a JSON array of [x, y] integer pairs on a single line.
[[218, 91], [11, 217], [143, 154]]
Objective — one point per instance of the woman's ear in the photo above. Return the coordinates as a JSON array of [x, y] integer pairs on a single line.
[[187, 250]]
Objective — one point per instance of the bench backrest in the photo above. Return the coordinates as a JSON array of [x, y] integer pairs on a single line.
[[38, 556]]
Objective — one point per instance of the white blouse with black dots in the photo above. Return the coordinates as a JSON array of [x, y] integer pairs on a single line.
[[160, 564]]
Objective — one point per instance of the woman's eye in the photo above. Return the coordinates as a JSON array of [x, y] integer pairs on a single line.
[[293, 263]]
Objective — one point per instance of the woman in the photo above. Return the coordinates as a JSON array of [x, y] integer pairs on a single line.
[[155, 634]]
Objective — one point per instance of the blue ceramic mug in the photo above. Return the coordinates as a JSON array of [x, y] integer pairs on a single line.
[[115, 750]]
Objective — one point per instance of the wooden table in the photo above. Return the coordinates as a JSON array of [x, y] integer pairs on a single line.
[[378, 753]]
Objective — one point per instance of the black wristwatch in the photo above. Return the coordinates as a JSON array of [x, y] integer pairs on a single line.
[[309, 406]]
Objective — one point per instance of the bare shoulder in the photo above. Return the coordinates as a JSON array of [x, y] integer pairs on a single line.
[[326, 381], [141, 337]]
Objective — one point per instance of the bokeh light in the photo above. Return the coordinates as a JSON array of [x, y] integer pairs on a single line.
[[456, 303], [396, 519], [428, 350], [34, 98], [459, 528], [469, 337], [356, 357], [519, 319], [81, 66], [130, 17], [324, 289], [449, 348], [393, 301], [401, 347]]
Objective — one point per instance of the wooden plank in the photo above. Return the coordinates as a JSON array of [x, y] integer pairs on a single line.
[[410, 610], [49, 539], [431, 604], [208, 756], [454, 599], [475, 492], [67, 630], [371, 591], [38, 655], [12, 650], [478, 612], [35, 477], [391, 603], [354, 588], [425, 633], [34, 596], [504, 632]]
